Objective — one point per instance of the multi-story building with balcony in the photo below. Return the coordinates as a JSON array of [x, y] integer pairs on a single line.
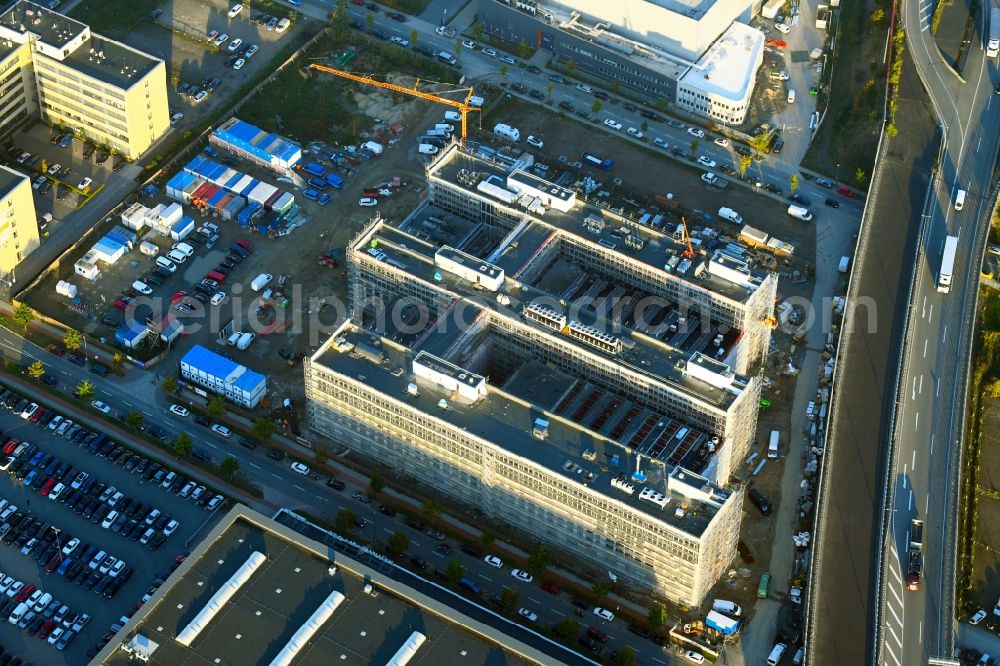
[[54, 66], [558, 366]]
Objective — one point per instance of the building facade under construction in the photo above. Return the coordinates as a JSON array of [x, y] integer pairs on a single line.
[[562, 369]]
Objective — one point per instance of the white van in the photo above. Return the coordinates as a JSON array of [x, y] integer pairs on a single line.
[[148, 249], [959, 199], [772, 445], [18, 613], [445, 56], [245, 340], [166, 263], [800, 212], [447, 127], [731, 215], [142, 288], [43, 602], [427, 149], [261, 281], [184, 249], [727, 607], [233, 339], [776, 653], [791, 97], [799, 657], [845, 263]]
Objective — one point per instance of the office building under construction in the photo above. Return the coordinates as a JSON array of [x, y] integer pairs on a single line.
[[576, 374]]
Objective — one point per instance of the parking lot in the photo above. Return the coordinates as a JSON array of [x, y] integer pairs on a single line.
[[132, 535], [179, 35]]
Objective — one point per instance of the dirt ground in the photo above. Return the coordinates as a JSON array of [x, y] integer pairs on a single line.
[[646, 171], [987, 560]]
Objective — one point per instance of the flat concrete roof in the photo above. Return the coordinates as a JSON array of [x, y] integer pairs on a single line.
[[9, 179], [53, 28], [593, 437], [111, 62], [657, 246], [278, 598], [727, 69]]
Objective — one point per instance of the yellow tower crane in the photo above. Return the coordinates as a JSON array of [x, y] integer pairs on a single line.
[[463, 107]]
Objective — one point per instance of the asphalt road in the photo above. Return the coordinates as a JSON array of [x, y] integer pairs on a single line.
[[920, 625]]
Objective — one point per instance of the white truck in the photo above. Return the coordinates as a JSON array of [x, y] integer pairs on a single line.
[[731, 215], [507, 132], [947, 264], [993, 44]]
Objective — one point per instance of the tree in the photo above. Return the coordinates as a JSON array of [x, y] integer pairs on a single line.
[[891, 131], [169, 385], [134, 419], [455, 571], [376, 484], [457, 48], [398, 543], [72, 339], [568, 629], [523, 50], [24, 315], [538, 559], [117, 361], [657, 617], [549, 88], [745, 162], [370, 20], [625, 656], [477, 31], [793, 183], [570, 67], [36, 370], [597, 106], [262, 429], [431, 510], [414, 35], [504, 71], [183, 444], [859, 176], [508, 598], [229, 466], [694, 145], [487, 537], [216, 406], [322, 455], [877, 16], [662, 105], [644, 126], [601, 587], [344, 522], [759, 142], [340, 20], [84, 390], [615, 87]]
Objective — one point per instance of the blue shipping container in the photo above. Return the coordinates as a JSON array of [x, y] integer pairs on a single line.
[[315, 169], [335, 180]]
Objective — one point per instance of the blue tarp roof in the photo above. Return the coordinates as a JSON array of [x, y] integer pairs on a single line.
[[130, 332], [182, 224], [249, 381], [210, 363], [108, 245]]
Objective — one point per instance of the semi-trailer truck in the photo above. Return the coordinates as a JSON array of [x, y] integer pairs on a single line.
[[597, 162], [993, 44], [915, 555], [947, 264]]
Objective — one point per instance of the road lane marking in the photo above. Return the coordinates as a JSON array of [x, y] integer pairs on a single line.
[[944, 337], [920, 390], [927, 504], [147, 413], [107, 394], [323, 498], [480, 575], [937, 389], [254, 465], [909, 503], [925, 347], [904, 475], [212, 445], [299, 487], [932, 444], [892, 610], [916, 422], [913, 389], [64, 372], [930, 317], [127, 404], [894, 658], [275, 476], [914, 463], [979, 143], [920, 632]]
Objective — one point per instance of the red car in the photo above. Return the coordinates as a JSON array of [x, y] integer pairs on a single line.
[[597, 634], [54, 562], [178, 296], [47, 486], [11, 445], [845, 191], [217, 276], [245, 245], [46, 629], [550, 587], [37, 416], [58, 350], [24, 593]]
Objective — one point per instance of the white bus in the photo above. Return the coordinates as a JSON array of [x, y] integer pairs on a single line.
[[947, 264]]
